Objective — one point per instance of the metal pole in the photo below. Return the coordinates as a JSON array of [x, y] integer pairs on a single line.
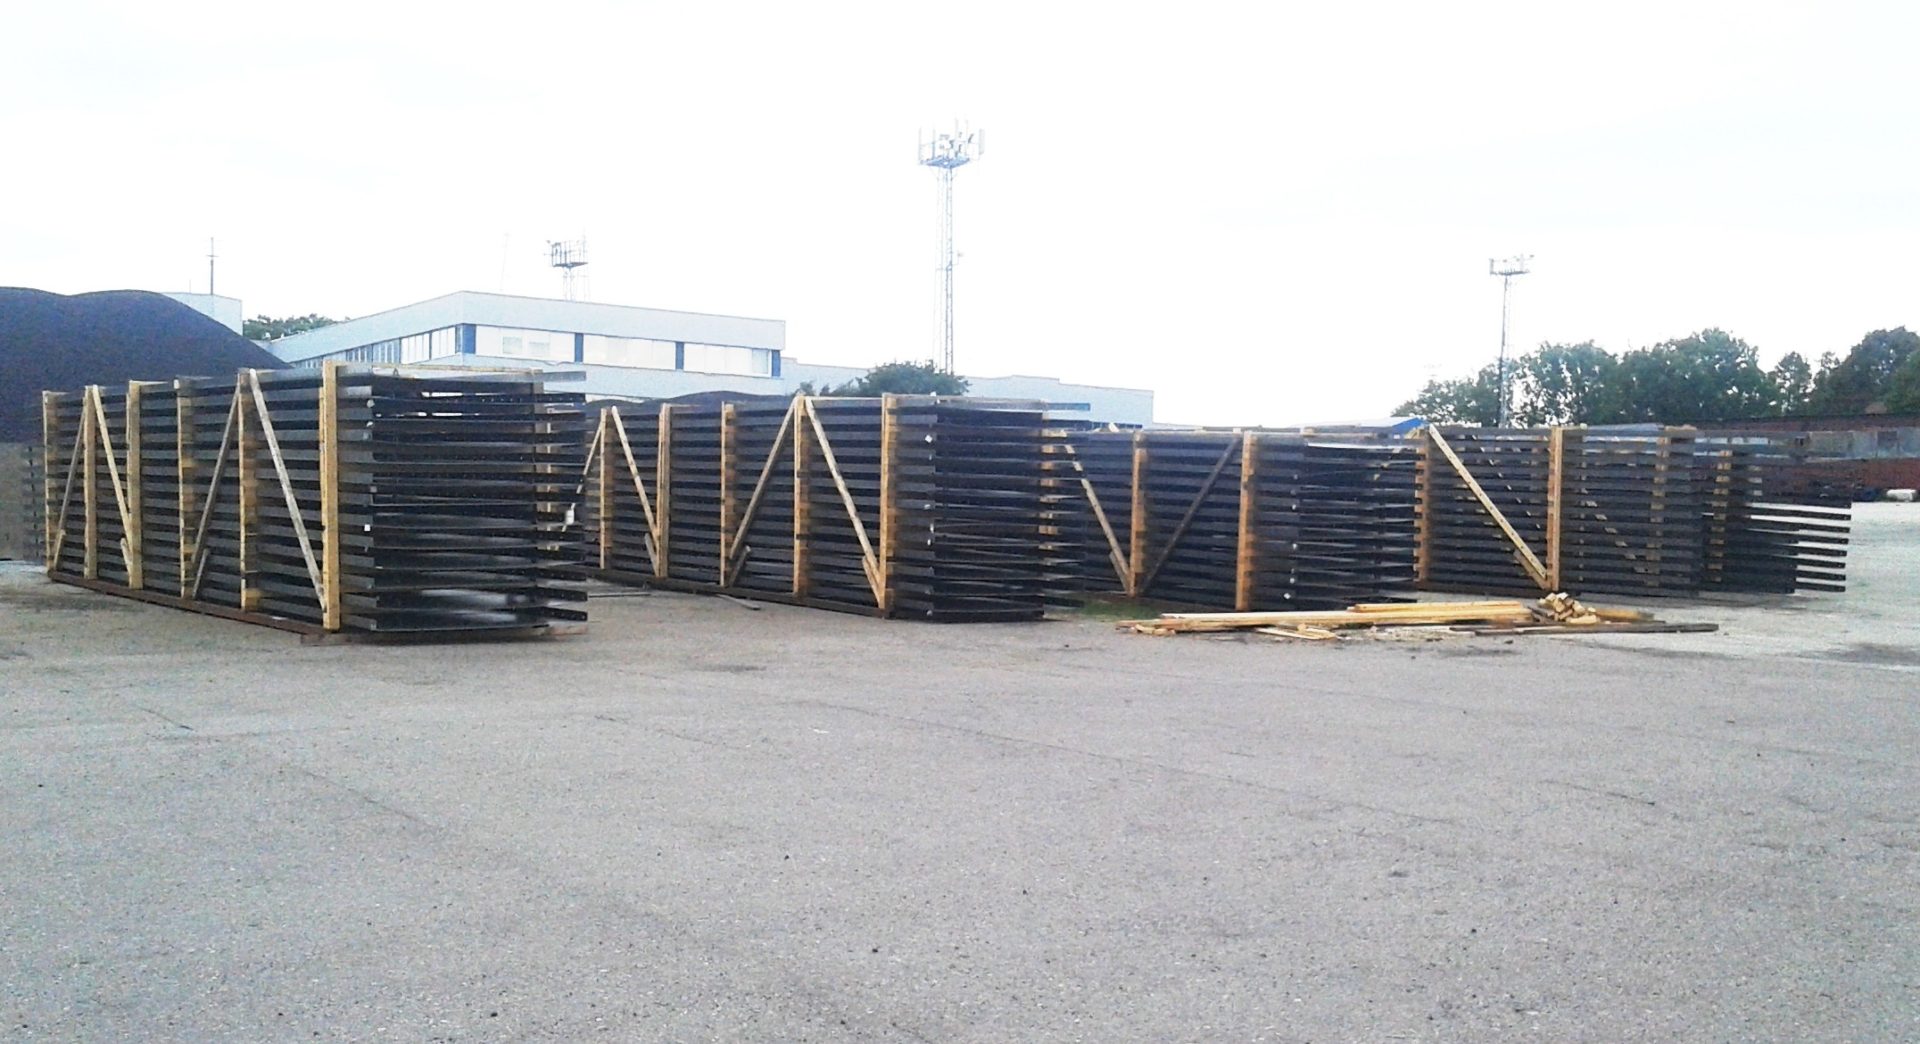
[[946, 270], [1506, 284]]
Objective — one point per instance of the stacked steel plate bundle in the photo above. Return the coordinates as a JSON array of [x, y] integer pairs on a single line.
[[906, 506], [1759, 537], [334, 500], [1637, 512], [1245, 520]]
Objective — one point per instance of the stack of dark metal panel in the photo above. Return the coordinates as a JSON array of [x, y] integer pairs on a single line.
[[968, 484], [1460, 546], [1355, 522], [1641, 513], [1630, 513], [908, 506], [335, 500], [1763, 532], [1246, 520], [455, 493]]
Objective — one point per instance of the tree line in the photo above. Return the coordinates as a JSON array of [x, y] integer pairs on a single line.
[[1708, 376], [262, 328]]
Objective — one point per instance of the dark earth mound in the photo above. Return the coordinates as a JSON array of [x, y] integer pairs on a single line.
[[61, 343]]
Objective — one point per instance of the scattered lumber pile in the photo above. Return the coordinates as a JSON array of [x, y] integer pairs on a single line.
[[1555, 614], [916, 507], [322, 501]]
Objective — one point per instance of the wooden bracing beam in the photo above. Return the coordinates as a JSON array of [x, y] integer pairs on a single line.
[[1115, 554], [597, 456], [1556, 477], [265, 417], [889, 497], [234, 420], [656, 525], [128, 527], [184, 465], [1186, 520], [802, 497], [736, 543], [869, 561], [1137, 527], [332, 598], [133, 543], [663, 482], [1528, 560], [1247, 547], [58, 527]]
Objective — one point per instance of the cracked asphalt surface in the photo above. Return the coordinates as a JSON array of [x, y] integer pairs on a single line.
[[702, 822]]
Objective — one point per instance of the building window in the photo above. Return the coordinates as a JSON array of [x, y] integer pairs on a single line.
[[627, 351], [721, 358], [522, 344]]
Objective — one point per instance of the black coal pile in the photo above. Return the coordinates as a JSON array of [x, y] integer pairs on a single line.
[[61, 343]]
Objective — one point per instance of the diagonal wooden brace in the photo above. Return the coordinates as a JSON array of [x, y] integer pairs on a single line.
[[1528, 560]]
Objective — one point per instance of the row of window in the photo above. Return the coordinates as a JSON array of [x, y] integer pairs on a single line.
[[548, 346]]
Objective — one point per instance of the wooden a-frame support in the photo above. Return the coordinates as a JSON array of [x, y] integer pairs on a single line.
[[1536, 570], [803, 427], [1130, 565], [610, 431], [94, 437]]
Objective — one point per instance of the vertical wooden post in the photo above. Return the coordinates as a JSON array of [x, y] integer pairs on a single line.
[[1556, 476], [249, 501], [187, 468], [89, 430], [332, 614], [603, 504], [136, 527], [49, 434], [663, 493], [1244, 576], [729, 481], [1662, 459], [1423, 512], [889, 496], [802, 497], [1137, 548]]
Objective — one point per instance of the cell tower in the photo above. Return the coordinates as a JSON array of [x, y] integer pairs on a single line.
[[947, 152], [1507, 268], [569, 257]]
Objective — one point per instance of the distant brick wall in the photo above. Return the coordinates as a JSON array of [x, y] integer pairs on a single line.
[[20, 493], [1855, 477]]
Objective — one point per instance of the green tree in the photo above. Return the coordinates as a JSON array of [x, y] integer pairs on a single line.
[[1865, 376], [1474, 400], [261, 328], [1793, 382], [903, 378], [1566, 384], [1903, 391], [1708, 376]]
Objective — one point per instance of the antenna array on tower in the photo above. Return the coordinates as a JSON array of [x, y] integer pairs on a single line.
[[569, 257]]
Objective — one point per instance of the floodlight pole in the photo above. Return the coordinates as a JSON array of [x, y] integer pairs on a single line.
[[1506, 269], [946, 153]]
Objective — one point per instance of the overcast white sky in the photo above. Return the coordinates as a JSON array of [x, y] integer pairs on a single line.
[[1268, 213]]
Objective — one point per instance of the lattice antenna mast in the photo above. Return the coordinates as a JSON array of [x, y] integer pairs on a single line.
[[569, 257], [1508, 269], [947, 152]]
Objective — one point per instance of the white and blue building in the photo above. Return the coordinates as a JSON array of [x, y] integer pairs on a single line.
[[636, 353]]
